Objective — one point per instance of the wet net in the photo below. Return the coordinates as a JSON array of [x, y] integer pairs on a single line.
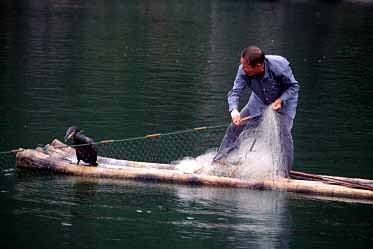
[[192, 151]]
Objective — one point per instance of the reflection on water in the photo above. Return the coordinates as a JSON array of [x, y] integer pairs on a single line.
[[245, 218], [7, 179], [114, 211]]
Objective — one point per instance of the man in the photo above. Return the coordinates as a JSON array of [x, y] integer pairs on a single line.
[[272, 84]]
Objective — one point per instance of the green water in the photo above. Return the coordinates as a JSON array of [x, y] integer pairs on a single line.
[[122, 69]]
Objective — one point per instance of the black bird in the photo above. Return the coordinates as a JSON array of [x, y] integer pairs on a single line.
[[86, 152]]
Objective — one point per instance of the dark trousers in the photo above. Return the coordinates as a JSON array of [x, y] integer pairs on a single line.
[[232, 137]]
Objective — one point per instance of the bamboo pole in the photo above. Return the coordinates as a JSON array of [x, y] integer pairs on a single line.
[[58, 149], [330, 179], [33, 159], [352, 180]]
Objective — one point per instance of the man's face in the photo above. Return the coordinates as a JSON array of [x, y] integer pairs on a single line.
[[249, 70]]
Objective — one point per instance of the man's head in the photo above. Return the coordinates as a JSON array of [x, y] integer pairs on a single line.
[[252, 60]]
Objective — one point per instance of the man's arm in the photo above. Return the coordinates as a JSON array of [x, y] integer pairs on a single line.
[[290, 84], [234, 95], [239, 86]]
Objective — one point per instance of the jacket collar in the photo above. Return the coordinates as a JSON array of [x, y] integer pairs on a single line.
[[266, 69]]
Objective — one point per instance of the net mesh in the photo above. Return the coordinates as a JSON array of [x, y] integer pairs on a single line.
[[192, 151], [164, 148], [160, 148]]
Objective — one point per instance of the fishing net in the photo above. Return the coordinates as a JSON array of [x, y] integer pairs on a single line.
[[164, 148], [258, 152], [157, 148]]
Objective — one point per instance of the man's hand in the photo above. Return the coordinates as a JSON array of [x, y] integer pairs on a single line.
[[276, 105], [236, 118]]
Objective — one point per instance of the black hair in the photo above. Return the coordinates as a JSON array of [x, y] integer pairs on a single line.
[[253, 55]]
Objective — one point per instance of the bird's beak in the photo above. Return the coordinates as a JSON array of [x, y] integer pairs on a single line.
[[69, 136]]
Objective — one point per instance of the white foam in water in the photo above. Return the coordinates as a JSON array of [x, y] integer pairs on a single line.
[[264, 161], [201, 164]]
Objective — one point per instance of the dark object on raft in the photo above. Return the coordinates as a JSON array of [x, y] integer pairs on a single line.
[[58, 159], [84, 146]]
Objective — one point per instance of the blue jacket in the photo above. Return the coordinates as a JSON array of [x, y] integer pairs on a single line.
[[278, 82]]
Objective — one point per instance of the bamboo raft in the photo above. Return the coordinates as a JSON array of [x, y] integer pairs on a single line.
[[58, 157]]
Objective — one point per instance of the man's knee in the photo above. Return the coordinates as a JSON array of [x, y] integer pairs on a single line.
[[234, 130]]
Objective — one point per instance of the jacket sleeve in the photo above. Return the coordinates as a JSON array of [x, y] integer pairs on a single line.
[[239, 86], [289, 84]]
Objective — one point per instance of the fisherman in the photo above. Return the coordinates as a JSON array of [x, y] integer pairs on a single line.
[[272, 83]]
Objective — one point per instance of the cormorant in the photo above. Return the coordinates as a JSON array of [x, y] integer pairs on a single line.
[[86, 152]]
